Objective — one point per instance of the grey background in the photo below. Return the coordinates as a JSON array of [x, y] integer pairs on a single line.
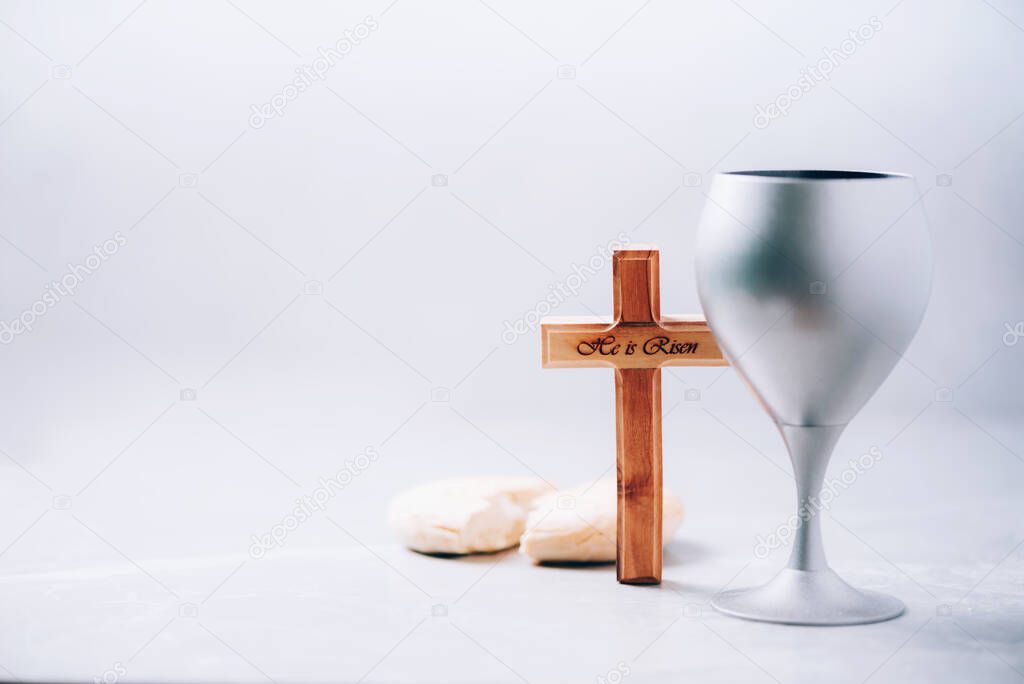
[[135, 118]]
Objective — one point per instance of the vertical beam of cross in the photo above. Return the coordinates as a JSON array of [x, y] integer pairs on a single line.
[[638, 426]]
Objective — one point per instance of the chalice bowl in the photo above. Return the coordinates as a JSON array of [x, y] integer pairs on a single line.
[[813, 283]]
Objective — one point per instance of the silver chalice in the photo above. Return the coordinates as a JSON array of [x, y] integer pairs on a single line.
[[813, 283]]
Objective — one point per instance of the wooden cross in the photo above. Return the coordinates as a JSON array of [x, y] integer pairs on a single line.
[[636, 341]]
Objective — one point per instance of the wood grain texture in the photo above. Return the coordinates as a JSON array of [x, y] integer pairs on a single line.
[[637, 299], [638, 468], [636, 341]]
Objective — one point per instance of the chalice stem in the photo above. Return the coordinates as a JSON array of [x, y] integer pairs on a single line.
[[807, 591], [810, 449]]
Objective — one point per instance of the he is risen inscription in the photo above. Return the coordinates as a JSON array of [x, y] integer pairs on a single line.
[[636, 341], [608, 345]]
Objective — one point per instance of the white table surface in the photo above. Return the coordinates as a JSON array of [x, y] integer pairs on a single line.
[[87, 593]]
